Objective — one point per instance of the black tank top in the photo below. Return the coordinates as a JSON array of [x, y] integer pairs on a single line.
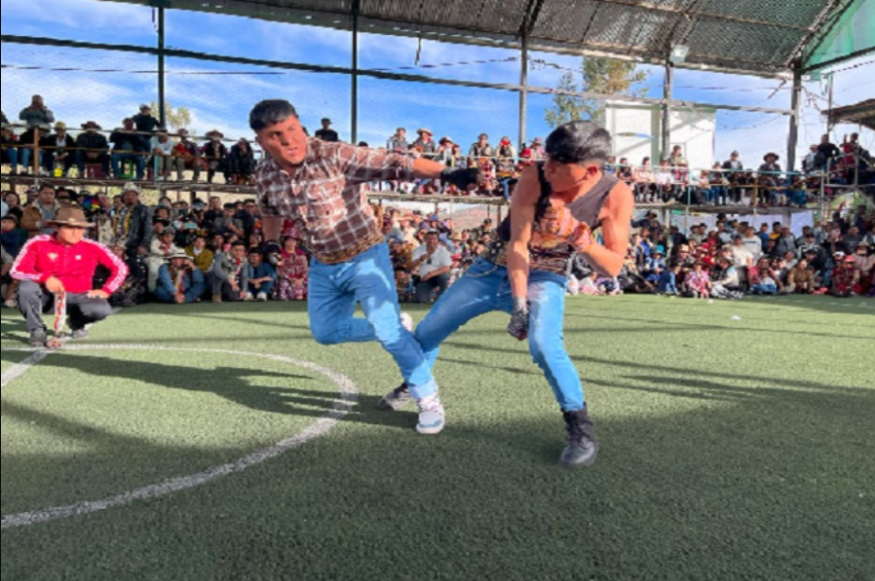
[[585, 209]]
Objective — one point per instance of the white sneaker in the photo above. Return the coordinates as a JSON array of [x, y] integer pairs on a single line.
[[262, 297], [11, 304], [431, 416], [407, 321], [248, 298]]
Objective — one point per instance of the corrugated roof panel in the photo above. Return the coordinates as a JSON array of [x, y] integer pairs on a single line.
[[792, 12], [565, 19], [747, 43]]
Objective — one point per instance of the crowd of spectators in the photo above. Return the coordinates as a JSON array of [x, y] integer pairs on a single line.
[[212, 251]]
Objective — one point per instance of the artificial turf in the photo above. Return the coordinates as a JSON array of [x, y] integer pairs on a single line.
[[735, 446]]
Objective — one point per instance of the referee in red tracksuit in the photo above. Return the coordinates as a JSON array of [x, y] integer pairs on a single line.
[[65, 262]]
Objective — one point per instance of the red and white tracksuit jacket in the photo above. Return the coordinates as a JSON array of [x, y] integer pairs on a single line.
[[44, 257]]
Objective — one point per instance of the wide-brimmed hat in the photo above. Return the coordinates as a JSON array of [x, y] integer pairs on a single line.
[[425, 130], [179, 254], [91, 125], [215, 133], [131, 187], [145, 106], [771, 154], [447, 140], [73, 217], [182, 132], [60, 125]]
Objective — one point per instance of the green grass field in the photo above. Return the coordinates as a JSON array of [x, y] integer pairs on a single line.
[[735, 447]]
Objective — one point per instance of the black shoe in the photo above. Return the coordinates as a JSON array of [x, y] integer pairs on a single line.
[[582, 447], [397, 399], [38, 339]]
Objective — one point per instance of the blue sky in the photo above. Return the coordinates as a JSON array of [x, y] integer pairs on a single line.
[[223, 101]]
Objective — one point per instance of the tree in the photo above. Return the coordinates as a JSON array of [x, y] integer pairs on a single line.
[[597, 75], [176, 118]]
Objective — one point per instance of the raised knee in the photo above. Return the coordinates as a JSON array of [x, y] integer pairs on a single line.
[[324, 335]]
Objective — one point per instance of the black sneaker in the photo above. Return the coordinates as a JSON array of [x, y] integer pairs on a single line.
[[397, 399], [38, 339], [582, 447]]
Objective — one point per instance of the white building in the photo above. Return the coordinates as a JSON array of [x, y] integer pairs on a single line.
[[637, 131]]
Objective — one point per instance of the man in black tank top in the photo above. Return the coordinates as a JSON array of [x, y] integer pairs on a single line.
[[555, 208]]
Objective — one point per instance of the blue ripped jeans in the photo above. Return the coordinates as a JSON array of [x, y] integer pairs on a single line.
[[485, 288], [368, 280]]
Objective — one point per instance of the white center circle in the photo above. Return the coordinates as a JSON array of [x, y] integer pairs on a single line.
[[347, 392]]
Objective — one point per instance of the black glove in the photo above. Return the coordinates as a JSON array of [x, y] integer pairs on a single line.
[[462, 178], [519, 322]]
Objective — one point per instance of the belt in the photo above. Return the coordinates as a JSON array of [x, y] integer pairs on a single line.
[[348, 254]]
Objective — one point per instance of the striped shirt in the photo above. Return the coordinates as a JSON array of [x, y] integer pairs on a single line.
[[325, 199]]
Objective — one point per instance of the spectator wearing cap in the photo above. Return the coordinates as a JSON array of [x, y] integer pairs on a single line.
[[262, 277], [128, 147], [241, 162], [9, 148], [215, 155], [231, 275], [432, 262], [92, 148], [162, 157], [179, 281], [146, 124], [188, 156], [398, 142], [36, 114], [65, 262], [425, 143], [327, 133]]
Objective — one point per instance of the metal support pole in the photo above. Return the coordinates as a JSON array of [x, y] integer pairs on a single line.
[[793, 141], [666, 111], [524, 92], [162, 108], [355, 73]]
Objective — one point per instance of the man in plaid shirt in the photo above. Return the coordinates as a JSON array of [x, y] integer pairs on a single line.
[[318, 188]]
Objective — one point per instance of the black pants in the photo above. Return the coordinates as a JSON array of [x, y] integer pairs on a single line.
[[81, 310], [425, 289]]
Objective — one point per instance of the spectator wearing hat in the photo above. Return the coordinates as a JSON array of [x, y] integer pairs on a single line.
[[160, 251], [241, 162], [9, 148], [538, 152], [262, 277], [146, 124], [36, 114], [132, 224], [188, 156], [445, 152], [161, 148], [327, 133], [231, 275], [58, 151], [215, 155], [128, 147], [65, 262], [425, 143], [179, 281], [92, 148], [769, 177], [432, 262]]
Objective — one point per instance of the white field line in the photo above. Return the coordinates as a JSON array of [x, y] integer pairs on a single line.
[[348, 395]]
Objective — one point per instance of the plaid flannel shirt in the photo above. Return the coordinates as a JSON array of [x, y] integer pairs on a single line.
[[325, 200]]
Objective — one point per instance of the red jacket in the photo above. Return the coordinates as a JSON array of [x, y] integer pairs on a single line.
[[44, 257]]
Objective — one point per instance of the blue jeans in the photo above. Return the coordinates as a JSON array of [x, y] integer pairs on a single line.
[[137, 160], [764, 289], [369, 280], [266, 288], [11, 154], [485, 288], [26, 155]]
